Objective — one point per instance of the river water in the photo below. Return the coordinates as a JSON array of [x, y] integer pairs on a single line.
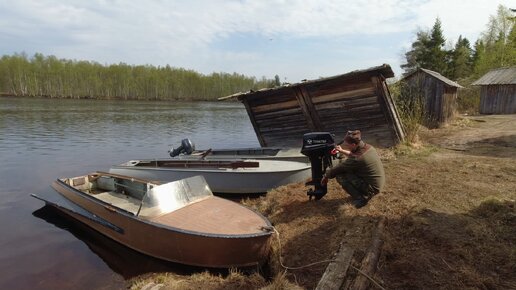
[[43, 139]]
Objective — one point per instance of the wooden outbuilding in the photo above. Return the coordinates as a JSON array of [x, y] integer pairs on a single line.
[[498, 91], [438, 94], [356, 100]]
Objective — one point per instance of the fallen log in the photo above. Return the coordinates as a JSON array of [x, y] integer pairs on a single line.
[[335, 273], [370, 261]]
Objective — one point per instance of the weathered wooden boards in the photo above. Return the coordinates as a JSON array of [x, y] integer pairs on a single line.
[[370, 261], [356, 100], [336, 276], [498, 91], [335, 273], [438, 94]]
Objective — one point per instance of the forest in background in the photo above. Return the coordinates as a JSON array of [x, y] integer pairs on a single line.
[[48, 76], [459, 61]]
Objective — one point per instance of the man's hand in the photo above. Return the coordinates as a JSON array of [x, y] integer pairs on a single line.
[[324, 181], [343, 151]]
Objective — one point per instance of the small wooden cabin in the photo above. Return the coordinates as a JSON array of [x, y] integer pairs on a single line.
[[356, 100], [438, 93], [498, 91]]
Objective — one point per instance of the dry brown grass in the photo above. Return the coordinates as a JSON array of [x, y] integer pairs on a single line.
[[205, 280], [451, 218]]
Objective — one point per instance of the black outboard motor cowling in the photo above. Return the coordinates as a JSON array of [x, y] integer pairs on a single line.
[[187, 147], [318, 146]]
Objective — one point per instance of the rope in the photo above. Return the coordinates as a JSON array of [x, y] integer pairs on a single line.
[[315, 263], [367, 276], [294, 268]]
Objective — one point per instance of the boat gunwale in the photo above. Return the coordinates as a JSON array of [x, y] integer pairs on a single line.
[[64, 208], [240, 170], [130, 215]]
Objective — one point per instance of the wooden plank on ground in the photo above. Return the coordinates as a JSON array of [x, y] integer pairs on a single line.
[[335, 273], [370, 261]]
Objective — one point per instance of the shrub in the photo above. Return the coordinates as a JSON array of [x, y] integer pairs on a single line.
[[410, 104]]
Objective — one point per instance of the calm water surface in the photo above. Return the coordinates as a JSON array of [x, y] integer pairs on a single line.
[[42, 139]]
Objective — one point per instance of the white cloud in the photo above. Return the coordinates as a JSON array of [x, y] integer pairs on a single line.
[[466, 18], [182, 33]]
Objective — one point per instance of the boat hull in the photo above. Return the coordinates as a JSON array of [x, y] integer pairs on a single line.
[[166, 242], [227, 180]]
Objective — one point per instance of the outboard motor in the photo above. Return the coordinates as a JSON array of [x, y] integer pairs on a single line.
[[187, 147], [319, 147]]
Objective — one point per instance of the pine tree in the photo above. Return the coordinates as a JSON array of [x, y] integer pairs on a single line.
[[277, 81], [415, 57], [427, 51], [436, 59], [461, 64]]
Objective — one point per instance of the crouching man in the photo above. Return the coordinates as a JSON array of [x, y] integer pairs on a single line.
[[361, 174]]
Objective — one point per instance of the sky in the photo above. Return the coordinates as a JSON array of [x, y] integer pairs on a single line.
[[296, 40]]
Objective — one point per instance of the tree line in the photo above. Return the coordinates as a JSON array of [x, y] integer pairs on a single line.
[[48, 76], [496, 47]]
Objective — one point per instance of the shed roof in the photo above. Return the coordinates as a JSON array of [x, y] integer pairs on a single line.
[[437, 76], [499, 76], [383, 69]]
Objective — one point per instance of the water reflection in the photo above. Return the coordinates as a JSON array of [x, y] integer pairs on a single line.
[[119, 258]]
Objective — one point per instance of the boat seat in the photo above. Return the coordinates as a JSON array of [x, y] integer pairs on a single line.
[[81, 183], [134, 190], [106, 183], [120, 200]]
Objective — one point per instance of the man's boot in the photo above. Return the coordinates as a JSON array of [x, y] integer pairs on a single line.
[[358, 199]]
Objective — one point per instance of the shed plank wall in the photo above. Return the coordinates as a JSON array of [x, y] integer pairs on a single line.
[[281, 116], [449, 104], [393, 111], [440, 99], [276, 114], [498, 99], [354, 105], [338, 108]]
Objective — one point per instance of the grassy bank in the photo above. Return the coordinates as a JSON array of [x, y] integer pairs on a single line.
[[449, 204]]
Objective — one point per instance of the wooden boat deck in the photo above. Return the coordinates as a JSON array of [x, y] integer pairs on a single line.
[[216, 216], [198, 216]]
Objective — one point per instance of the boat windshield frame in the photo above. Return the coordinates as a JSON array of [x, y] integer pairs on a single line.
[[169, 197]]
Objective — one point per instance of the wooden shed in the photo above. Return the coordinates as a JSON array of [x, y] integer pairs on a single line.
[[438, 93], [355, 100], [498, 91]]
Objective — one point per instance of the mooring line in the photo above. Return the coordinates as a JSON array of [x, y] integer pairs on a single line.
[[320, 262]]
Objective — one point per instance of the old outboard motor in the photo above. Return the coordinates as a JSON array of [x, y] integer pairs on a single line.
[[187, 147], [319, 147]]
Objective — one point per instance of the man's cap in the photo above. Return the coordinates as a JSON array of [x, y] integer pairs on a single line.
[[353, 137]]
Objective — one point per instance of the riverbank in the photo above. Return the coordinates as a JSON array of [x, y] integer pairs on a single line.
[[449, 204], [114, 98]]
